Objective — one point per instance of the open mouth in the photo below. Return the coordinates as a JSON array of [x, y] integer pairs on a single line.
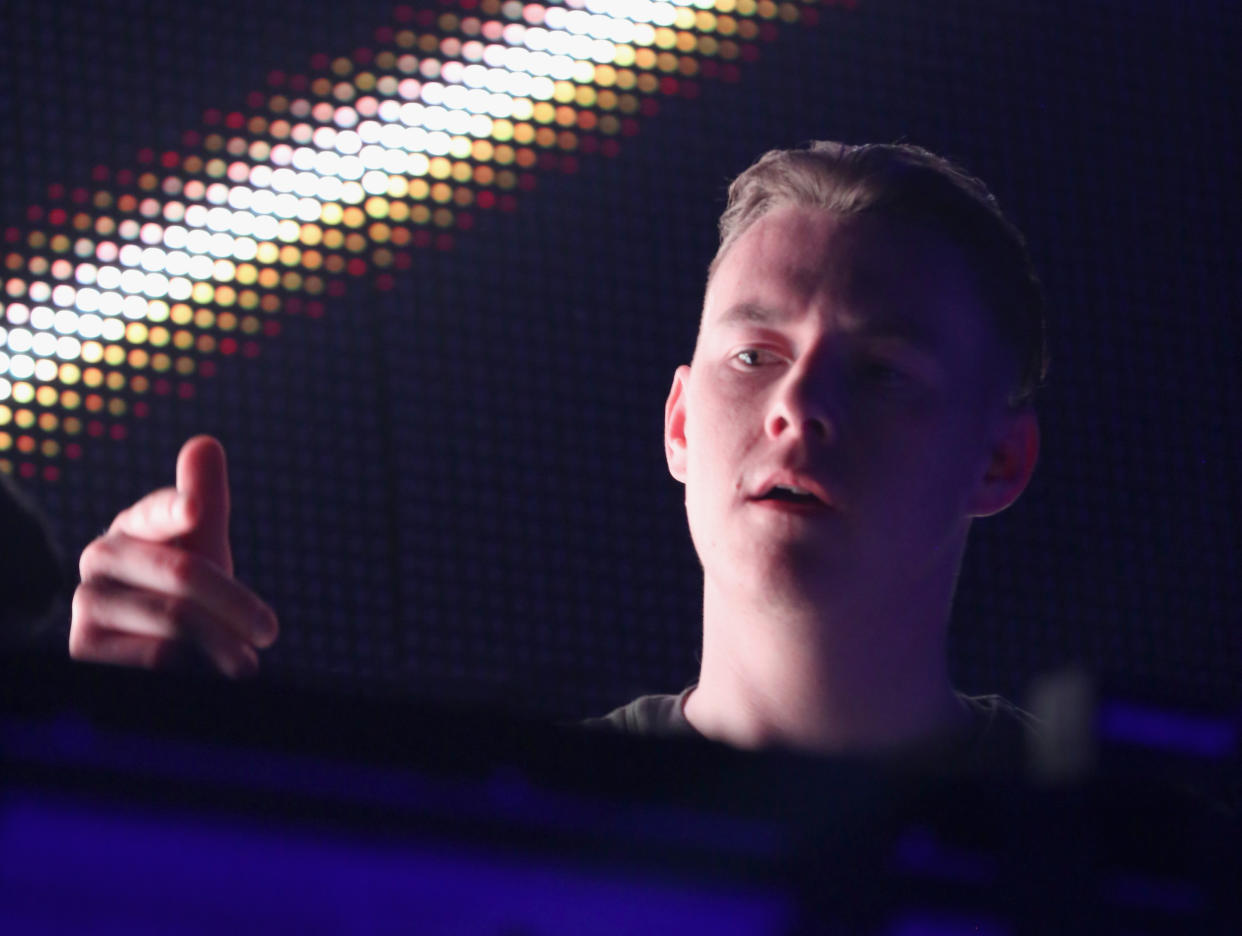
[[788, 494]]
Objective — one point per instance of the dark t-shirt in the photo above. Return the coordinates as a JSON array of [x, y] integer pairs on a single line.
[[999, 734]]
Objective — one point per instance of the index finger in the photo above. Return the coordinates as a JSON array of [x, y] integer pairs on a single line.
[[159, 517]]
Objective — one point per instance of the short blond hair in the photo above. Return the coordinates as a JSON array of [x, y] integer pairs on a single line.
[[911, 184]]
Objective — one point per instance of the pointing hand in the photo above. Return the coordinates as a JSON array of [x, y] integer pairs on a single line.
[[160, 581]]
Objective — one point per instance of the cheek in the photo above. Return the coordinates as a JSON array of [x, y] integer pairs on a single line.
[[920, 465], [715, 427], [719, 433]]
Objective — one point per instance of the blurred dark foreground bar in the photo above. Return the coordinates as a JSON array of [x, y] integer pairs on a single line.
[[143, 803]]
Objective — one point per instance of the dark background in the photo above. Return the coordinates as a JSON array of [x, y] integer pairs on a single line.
[[457, 487]]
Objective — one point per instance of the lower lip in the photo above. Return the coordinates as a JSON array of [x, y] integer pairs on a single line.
[[791, 507]]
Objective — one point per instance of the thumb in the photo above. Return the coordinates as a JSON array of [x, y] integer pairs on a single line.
[[203, 477]]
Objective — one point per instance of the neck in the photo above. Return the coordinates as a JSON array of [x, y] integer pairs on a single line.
[[846, 676]]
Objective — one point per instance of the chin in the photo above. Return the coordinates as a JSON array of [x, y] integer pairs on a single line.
[[786, 568]]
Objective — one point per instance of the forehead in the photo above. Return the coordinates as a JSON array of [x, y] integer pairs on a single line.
[[859, 271]]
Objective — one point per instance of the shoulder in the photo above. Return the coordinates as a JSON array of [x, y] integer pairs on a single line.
[[649, 715]]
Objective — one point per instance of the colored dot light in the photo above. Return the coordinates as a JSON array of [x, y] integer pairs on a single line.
[[312, 186]]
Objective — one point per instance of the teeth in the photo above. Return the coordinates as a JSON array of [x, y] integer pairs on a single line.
[[791, 489]]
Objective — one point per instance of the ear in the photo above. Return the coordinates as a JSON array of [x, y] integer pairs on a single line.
[[675, 424], [1015, 450]]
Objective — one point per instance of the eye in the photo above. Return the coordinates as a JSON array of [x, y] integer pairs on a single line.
[[882, 372], [753, 357], [748, 356]]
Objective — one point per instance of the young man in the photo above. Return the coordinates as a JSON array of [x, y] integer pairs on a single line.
[[860, 390], [871, 339]]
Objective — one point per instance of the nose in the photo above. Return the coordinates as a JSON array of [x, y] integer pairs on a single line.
[[803, 404]]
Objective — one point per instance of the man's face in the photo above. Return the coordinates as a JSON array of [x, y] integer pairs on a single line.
[[847, 357]]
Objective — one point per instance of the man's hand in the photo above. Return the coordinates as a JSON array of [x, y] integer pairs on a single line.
[[161, 579]]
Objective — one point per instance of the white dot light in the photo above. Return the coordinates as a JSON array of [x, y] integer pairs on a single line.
[[131, 255], [348, 142], [261, 176], [44, 344], [265, 227], [134, 307], [152, 259], [375, 182], [132, 281], [175, 237], [197, 242], [41, 317], [155, 286], [68, 348], [110, 303], [66, 322], [88, 299], [245, 248], [303, 158], [241, 223], [89, 326], [309, 209], [221, 245], [351, 168], [21, 366], [305, 184], [196, 216], [240, 196], [328, 189]]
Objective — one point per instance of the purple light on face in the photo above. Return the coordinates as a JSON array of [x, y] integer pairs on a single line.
[[1174, 732]]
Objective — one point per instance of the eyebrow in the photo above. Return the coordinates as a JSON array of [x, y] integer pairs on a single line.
[[879, 326], [751, 313], [921, 335]]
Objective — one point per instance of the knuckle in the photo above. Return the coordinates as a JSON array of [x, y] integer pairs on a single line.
[[179, 613], [179, 566], [148, 511], [82, 636], [93, 559], [83, 605], [161, 654], [121, 519], [77, 641]]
